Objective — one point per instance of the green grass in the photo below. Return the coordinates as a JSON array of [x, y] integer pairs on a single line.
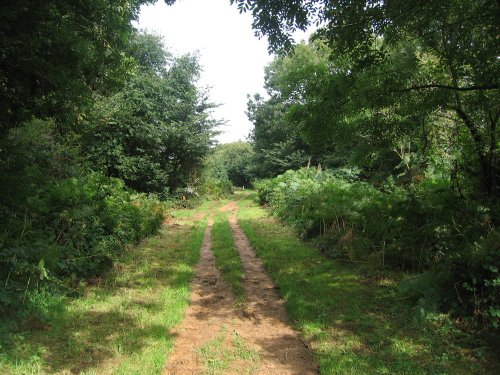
[[228, 353], [352, 316], [227, 258], [122, 325]]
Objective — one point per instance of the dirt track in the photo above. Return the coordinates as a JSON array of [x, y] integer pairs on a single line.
[[260, 323]]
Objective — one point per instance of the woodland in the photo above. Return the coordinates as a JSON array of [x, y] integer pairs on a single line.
[[377, 142]]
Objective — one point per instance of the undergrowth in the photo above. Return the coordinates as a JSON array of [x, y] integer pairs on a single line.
[[449, 244], [353, 315], [71, 233], [121, 322]]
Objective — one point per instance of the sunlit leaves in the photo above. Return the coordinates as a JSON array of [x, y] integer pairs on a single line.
[[156, 131]]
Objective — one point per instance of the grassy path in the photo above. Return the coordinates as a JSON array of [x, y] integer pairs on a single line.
[[129, 321], [351, 316], [121, 325], [223, 334]]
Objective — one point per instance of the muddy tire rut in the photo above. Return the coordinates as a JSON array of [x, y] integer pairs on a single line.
[[260, 322]]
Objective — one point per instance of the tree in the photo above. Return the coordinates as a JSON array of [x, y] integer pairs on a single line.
[[449, 65], [280, 134], [278, 146], [232, 161], [156, 131], [55, 54]]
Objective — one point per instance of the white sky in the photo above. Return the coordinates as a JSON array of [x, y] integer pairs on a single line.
[[232, 58]]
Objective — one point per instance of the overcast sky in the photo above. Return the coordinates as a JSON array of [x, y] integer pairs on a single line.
[[233, 59]]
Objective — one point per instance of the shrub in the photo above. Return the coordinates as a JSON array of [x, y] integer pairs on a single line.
[[424, 227], [72, 229]]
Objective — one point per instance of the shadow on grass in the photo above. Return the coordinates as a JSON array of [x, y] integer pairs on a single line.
[[142, 299], [354, 324], [98, 337]]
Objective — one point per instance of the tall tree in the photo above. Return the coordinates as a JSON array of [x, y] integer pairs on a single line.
[[450, 61], [155, 132], [55, 54]]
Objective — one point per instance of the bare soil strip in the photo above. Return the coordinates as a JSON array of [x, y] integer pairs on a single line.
[[282, 350], [211, 307], [261, 323]]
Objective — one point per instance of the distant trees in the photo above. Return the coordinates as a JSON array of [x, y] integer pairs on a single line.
[[227, 166], [232, 161], [278, 146], [155, 132]]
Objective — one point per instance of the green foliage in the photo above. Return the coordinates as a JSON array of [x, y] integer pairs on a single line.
[[231, 161], [89, 110], [424, 292], [477, 272], [407, 97], [417, 229], [74, 229], [118, 325], [278, 146], [216, 188], [60, 223], [226, 166], [155, 132], [385, 78], [55, 55]]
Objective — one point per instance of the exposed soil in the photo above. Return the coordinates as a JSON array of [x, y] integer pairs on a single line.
[[261, 322]]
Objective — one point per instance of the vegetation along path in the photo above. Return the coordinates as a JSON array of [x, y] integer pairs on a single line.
[[168, 307], [222, 333]]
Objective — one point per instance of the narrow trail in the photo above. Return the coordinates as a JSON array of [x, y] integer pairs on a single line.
[[211, 306], [261, 322]]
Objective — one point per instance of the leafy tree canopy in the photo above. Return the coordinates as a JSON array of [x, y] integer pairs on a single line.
[[156, 131], [394, 67], [55, 54]]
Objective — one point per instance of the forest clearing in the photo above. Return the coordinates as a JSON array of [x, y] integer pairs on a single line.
[[341, 219]]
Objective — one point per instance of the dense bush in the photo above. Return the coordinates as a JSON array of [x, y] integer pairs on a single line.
[[424, 227], [72, 229], [60, 223]]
